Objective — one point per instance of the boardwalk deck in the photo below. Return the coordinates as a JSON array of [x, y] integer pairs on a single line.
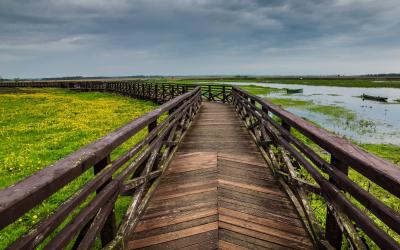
[[218, 193]]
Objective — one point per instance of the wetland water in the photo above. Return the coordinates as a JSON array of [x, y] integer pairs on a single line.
[[363, 121]]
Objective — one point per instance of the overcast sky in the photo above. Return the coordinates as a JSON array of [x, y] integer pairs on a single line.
[[47, 38]]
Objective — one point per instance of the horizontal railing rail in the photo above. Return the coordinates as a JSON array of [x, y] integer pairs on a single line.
[[330, 179], [135, 173]]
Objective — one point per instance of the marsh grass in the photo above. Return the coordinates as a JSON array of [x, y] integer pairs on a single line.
[[41, 126]]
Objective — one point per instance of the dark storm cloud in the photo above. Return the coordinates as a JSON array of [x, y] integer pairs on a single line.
[[100, 37]]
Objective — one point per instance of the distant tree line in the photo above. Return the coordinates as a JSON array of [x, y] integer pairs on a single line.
[[383, 75]]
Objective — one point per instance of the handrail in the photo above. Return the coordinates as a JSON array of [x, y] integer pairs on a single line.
[[256, 113], [382, 172], [150, 158]]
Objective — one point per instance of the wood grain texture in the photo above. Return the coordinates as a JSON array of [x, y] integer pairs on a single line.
[[218, 193]]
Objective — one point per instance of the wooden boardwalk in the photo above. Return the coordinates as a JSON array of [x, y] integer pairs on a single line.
[[218, 193]]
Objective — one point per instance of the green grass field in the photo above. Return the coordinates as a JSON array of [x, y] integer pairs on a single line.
[[41, 126]]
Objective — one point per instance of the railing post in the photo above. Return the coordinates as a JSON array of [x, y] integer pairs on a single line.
[[163, 93], [286, 126], [333, 233], [108, 232], [149, 91], [209, 93], [223, 94], [152, 126], [265, 110], [156, 92]]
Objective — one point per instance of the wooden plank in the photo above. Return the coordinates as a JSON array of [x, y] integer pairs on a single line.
[[187, 242], [260, 211], [270, 204], [197, 206], [184, 200], [224, 245], [189, 168], [263, 221], [255, 159], [184, 186], [174, 219], [175, 195], [135, 244], [175, 227], [247, 241], [251, 187], [226, 175], [281, 236], [264, 170], [262, 236], [189, 176], [205, 245]]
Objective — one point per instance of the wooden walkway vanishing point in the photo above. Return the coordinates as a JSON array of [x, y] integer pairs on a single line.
[[219, 193]]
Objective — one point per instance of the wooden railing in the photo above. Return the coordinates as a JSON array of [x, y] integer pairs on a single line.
[[136, 173], [156, 91], [349, 206]]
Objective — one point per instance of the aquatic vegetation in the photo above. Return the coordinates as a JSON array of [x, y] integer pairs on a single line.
[[41, 126], [336, 112], [259, 90]]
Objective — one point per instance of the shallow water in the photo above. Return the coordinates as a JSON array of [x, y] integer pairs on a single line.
[[376, 122]]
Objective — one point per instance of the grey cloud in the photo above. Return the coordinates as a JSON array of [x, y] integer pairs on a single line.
[[100, 37]]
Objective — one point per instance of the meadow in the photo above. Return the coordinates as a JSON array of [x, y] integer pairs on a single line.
[[41, 126]]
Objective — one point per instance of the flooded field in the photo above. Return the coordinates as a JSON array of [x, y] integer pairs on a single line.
[[342, 110]]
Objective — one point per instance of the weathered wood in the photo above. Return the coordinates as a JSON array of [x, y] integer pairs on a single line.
[[333, 232], [282, 137], [200, 181], [172, 236], [97, 216], [380, 171], [22, 196]]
